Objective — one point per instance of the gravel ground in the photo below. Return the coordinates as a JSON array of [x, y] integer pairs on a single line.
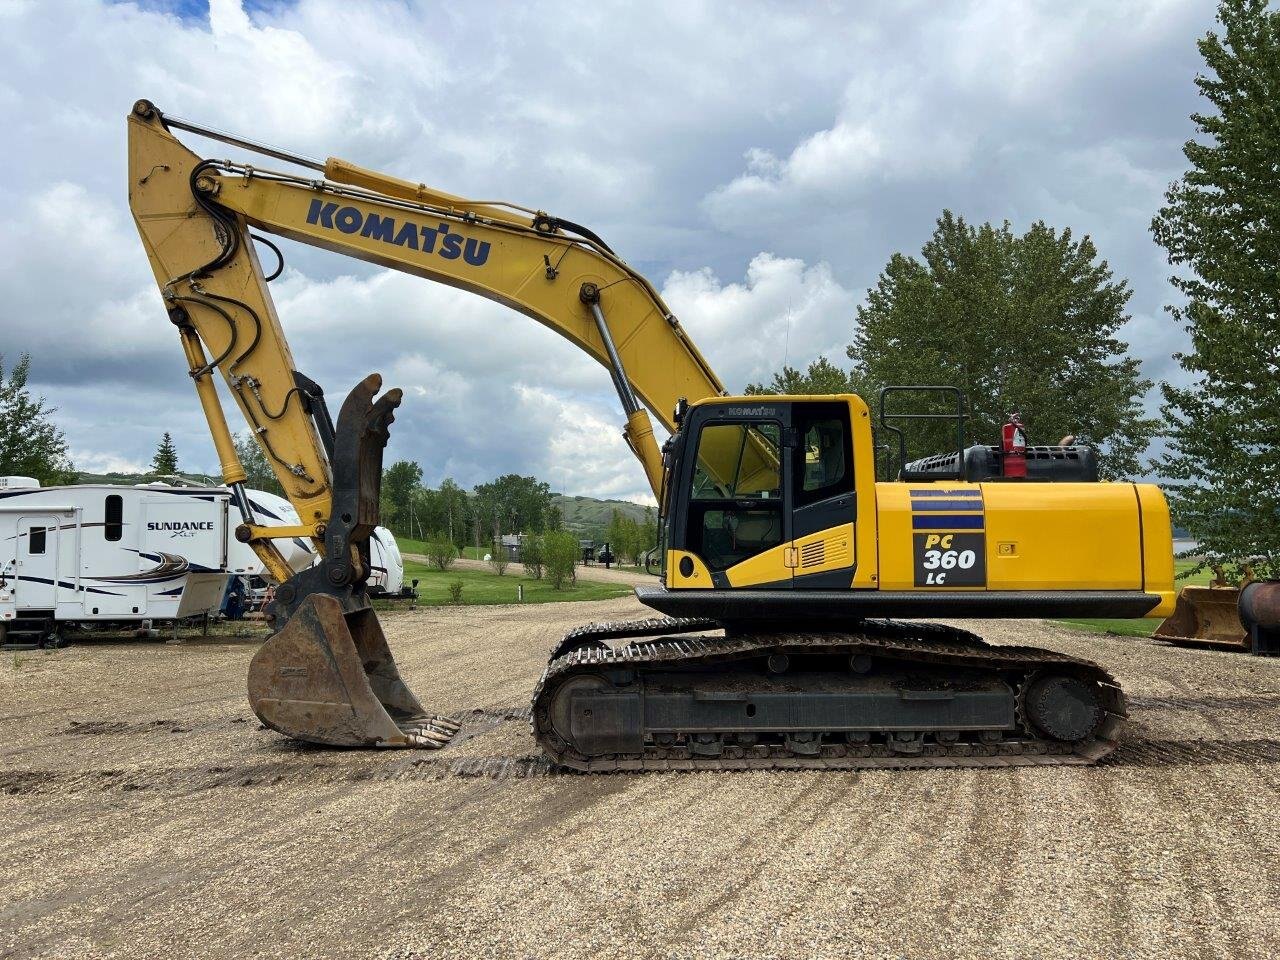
[[597, 573], [146, 814]]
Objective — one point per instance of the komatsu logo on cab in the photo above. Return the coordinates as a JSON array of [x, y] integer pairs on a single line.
[[439, 240], [180, 528]]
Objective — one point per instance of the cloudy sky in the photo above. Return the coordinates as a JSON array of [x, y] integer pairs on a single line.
[[759, 162]]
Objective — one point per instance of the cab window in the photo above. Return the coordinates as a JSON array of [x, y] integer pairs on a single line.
[[825, 464], [738, 460], [736, 500]]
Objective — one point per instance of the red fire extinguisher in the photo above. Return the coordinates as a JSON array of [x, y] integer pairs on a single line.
[[1014, 447]]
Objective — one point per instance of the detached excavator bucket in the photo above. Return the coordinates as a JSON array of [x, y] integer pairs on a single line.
[[1205, 615], [328, 677]]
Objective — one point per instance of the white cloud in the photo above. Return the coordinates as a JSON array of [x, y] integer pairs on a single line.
[[99, 461], [784, 312]]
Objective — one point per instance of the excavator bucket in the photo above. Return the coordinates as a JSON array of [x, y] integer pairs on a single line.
[[1205, 615], [327, 675]]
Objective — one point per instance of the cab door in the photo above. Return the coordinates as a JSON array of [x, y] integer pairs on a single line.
[[734, 521], [823, 495]]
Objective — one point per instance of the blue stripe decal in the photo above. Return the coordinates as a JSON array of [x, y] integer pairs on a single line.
[[974, 494], [943, 505], [960, 521], [63, 585]]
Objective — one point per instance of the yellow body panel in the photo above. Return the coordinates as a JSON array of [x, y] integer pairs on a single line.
[[771, 566], [1035, 536], [700, 578], [867, 526], [1063, 536], [1157, 548], [820, 552]]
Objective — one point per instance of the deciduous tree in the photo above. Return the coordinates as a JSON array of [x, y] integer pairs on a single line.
[[30, 444], [1020, 322], [399, 483], [822, 376], [560, 557], [258, 473]]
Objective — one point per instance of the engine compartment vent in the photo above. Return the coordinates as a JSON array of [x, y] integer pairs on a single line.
[[813, 554]]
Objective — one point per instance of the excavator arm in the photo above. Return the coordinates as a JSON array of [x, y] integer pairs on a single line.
[[327, 674]]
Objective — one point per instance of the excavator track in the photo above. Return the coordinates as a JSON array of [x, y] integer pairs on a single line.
[[613, 697]]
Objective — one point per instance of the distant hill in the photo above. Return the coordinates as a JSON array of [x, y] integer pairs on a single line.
[[589, 517], [130, 479]]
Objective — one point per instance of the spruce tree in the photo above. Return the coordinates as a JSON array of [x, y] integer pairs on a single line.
[[165, 462], [1221, 228]]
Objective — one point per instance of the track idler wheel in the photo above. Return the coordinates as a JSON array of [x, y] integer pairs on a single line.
[[328, 677], [1063, 707]]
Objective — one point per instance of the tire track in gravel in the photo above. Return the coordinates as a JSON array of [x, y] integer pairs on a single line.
[[792, 828], [1195, 897], [1114, 901]]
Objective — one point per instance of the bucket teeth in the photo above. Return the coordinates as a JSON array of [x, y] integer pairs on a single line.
[[442, 724], [430, 732], [427, 739]]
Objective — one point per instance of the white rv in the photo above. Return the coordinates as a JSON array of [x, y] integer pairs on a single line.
[[98, 553]]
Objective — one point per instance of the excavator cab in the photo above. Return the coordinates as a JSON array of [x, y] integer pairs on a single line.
[[761, 493]]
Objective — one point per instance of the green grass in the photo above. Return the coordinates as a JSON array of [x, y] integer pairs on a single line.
[[409, 545], [1145, 626], [484, 586]]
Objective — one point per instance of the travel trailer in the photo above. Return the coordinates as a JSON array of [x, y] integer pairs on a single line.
[[101, 554]]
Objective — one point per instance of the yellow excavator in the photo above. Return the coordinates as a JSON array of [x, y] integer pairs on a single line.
[[784, 560]]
